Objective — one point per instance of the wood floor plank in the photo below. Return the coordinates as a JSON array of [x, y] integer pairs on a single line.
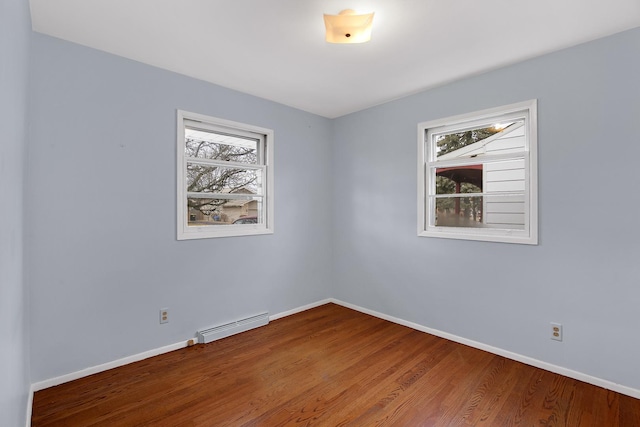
[[331, 366]]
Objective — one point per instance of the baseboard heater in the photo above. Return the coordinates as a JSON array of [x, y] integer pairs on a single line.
[[218, 332]]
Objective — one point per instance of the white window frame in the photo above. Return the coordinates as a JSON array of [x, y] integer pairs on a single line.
[[427, 161], [265, 166]]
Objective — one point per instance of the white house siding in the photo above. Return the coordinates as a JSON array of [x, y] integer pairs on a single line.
[[505, 211]]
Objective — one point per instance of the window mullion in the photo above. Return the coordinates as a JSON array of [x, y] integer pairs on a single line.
[[448, 195], [476, 160], [229, 196], [223, 163]]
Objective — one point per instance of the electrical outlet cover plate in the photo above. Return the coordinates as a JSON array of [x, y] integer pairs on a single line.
[[556, 331], [164, 315]]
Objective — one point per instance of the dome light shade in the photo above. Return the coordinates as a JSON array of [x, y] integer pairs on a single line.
[[348, 27]]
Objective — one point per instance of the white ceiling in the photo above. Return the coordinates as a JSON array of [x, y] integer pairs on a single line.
[[275, 49]]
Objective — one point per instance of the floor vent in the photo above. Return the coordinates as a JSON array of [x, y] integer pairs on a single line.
[[228, 329]]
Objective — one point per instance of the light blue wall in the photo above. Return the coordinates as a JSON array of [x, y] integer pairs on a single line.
[[584, 274], [15, 29], [102, 253], [100, 207]]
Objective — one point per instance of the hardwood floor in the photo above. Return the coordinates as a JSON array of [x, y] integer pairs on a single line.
[[331, 366]]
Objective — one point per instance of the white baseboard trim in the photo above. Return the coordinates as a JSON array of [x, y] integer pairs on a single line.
[[141, 356], [106, 366], [300, 309], [494, 350], [609, 385], [29, 406]]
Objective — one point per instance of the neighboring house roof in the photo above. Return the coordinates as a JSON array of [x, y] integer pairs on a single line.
[[480, 147], [237, 203], [470, 173], [242, 190]]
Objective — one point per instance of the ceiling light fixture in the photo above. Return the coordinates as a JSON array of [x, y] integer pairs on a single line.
[[348, 27]]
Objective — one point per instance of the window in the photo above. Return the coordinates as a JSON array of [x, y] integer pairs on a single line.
[[477, 176], [225, 178]]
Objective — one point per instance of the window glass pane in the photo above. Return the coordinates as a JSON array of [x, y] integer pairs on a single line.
[[217, 179], [499, 138], [505, 211], [231, 212], [490, 177], [219, 146], [505, 176], [459, 211], [488, 211]]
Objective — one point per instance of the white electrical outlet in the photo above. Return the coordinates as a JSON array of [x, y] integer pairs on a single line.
[[556, 331], [164, 315]]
